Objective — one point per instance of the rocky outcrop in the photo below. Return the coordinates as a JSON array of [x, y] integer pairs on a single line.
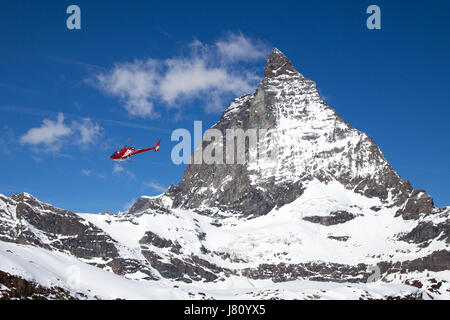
[[33, 222], [315, 271], [425, 232], [339, 238], [125, 267], [16, 287], [153, 239], [436, 261], [146, 203], [335, 217], [419, 202], [186, 270]]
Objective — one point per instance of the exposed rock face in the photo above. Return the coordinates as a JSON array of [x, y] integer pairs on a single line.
[[310, 141], [184, 270], [25, 220], [313, 271], [320, 271], [335, 217], [418, 203], [155, 240], [425, 232], [145, 203], [124, 267], [19, 288], [278, 65], [339, 238], [436, 261]]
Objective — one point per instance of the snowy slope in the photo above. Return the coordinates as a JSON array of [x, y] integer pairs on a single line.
[[84, 281], [50, 268], [282, 235]]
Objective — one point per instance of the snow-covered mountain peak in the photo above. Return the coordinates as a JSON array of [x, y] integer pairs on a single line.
[[22, 196], [307, 140]]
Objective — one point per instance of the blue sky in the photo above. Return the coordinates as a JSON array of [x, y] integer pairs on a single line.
[[391, 83]]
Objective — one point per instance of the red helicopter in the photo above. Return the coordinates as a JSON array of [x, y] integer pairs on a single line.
[[126, 152]]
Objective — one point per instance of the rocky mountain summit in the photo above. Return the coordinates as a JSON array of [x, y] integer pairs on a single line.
[[320, 214]]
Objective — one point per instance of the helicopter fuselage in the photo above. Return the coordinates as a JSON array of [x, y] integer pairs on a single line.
[[126, 153]]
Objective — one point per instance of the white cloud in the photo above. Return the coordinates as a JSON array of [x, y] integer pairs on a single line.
[[55, 134], [190, 78], [135, 83], [118, 170], [207, 73], [237, 47], [88, 130], [155, 186], [89, 173], [48, 133]]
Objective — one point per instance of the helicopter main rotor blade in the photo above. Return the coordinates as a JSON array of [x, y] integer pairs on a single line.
[[126, 143]]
